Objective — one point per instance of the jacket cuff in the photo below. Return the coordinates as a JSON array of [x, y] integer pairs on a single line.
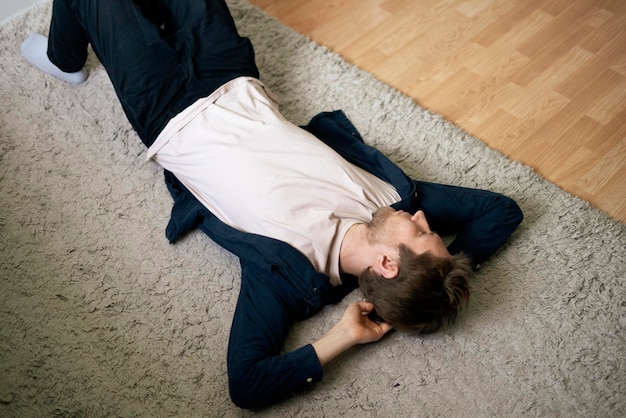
[[309, 369]]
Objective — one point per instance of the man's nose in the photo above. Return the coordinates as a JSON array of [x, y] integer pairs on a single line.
[[420, 220]]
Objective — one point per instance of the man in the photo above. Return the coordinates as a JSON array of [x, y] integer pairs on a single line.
[[295, 204]]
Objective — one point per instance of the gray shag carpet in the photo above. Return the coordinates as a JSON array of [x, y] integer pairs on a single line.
[[100, 316]]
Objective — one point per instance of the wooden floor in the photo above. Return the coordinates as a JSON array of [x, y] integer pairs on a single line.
[[542, 81]]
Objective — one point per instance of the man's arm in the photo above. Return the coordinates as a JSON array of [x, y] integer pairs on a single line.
[[259, 372], [482, 220]]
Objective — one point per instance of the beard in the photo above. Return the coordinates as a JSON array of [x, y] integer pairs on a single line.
[[377, 226]]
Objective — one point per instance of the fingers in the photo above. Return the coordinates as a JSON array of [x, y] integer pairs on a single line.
[[364, 306], [359, 326], [385, 327], [379, 330]]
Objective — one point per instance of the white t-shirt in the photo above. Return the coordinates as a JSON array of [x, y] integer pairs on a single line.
[[261, 174]]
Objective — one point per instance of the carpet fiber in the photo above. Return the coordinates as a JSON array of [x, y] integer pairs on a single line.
[[100, 316]]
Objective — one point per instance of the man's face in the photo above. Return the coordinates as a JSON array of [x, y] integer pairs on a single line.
[[393, 228]]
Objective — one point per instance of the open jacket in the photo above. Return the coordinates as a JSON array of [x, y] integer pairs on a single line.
[[279, 284]]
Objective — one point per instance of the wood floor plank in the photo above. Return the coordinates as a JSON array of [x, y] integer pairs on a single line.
[[610, 104], [501, 26]]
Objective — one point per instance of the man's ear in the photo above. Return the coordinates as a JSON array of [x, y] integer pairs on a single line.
[[387, 266]]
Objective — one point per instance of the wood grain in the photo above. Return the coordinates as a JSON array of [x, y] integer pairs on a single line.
[[542, 81]]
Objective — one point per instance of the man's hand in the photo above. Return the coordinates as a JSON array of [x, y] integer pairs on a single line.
[[354, 328], [363, 329]]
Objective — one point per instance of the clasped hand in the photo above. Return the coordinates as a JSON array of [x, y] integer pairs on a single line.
[[362, 328]]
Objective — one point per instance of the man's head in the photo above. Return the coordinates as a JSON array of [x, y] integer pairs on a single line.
[[414, 283]]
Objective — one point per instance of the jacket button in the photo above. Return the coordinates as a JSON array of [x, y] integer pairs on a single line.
[[309, 379]]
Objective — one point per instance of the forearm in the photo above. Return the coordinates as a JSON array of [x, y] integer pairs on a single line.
[[332, 344], [483, 236]]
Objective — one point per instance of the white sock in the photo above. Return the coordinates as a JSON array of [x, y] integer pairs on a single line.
[[35, 51]]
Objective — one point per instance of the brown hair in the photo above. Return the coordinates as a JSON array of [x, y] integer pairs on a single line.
[[427, 294]]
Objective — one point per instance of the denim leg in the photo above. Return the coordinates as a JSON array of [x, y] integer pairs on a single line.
[[481, 220], [67, 40], [209, 32], [153, 10]]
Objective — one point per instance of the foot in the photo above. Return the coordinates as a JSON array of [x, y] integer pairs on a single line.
[[35, 51]]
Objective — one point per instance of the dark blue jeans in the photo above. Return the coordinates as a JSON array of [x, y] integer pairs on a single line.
[[161, 55]]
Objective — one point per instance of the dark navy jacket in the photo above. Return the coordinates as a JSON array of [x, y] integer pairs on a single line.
[[279, 284]]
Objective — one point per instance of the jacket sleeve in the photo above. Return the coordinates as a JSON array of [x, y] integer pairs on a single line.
[[258, 372]]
